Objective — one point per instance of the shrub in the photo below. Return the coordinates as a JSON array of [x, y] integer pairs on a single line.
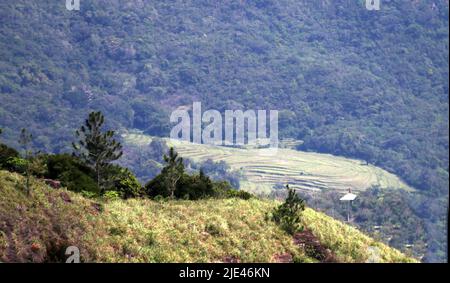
[[239, 194], [156, 188], [125, 183], [88, 194], [73, 175], [78, 181], [188, 187], [6, 153], [38, 165], [16, 164], [111, 195], [288, 214], [173, 182], [214, 229], [194, 187], [223, 189]]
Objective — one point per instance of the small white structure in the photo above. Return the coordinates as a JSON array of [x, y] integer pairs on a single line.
[[349, 197]]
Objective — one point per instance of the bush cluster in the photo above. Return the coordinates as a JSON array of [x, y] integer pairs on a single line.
[[193, 187], [78, 177], [6, 155], [288, 214], [90, 171]]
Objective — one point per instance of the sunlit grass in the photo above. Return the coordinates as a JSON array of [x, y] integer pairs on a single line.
[[302, 170], [142, 230], [196, 231], [348, 243]]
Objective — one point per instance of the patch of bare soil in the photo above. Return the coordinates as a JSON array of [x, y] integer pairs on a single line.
[[231, 259], [283, 258], [313, 248]]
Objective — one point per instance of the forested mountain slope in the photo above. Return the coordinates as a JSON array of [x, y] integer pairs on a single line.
[[348, 81], [365, 84]]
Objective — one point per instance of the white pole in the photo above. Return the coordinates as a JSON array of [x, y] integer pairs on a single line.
[[348, 211]]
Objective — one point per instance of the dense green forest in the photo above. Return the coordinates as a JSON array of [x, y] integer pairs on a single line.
[[347, 81]]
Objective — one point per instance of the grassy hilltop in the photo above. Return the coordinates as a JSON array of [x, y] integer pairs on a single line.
[[39, 228]]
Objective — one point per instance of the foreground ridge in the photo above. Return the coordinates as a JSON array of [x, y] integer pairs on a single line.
[[39, 228]]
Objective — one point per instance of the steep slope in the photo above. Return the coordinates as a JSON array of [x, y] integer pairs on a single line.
[[347, 81], [369, 85], [40, 227]]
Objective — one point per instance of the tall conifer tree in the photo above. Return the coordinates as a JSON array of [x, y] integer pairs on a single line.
[[97, 148]]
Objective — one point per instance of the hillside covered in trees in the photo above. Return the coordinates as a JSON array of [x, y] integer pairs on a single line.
[[54, 203], [364, 84]]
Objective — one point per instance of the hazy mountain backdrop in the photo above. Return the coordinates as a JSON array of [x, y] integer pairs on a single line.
[[371, 85]]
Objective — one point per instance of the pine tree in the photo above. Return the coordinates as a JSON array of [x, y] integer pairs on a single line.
[[288, 214], [25, 141], [96, 148], [173, 171]]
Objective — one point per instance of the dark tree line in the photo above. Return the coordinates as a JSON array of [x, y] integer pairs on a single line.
[[92, 169]]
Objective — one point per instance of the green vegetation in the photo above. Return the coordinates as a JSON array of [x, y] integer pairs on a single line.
[[89, 169], [6, 155], [40, 227], [213, 222], [97, 149], [347, 81], [173, 172], [125, 183], [413, 227], [173, 182], [25, 141], [387, 209], [347, 242], [260, 172], [73, 174], [372, 86], [288, 214], [388, 215], [146, 161]]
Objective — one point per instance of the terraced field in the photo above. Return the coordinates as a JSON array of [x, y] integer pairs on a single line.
[[301, 170]]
